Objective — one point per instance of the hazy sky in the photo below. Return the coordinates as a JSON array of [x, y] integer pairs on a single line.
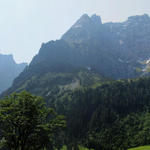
[[26, 24]]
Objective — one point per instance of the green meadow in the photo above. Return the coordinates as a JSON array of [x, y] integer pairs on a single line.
[[141, 148]]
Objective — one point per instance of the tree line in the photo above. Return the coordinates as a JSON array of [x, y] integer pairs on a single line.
[[112, 116]]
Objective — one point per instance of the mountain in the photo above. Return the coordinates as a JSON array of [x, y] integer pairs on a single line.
[[84, 29], [126, 43], [77, 76], [111, 50], [55, 81], [9, 71]]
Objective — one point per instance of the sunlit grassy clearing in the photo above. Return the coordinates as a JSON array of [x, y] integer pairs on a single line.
[[141, 148]]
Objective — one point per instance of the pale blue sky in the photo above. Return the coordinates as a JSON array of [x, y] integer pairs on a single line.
[[26, 24]]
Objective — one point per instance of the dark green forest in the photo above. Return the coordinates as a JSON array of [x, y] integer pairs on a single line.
[[112, 116]]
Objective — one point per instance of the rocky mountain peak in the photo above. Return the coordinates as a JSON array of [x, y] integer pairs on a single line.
[[6, 58], [84, 29], [96, 19], [84, 17], [84, 20], [9, 70], [139, 19]]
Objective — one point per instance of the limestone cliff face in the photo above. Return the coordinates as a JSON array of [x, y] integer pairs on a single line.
[[84, 29], [113, 50], [9, 70]]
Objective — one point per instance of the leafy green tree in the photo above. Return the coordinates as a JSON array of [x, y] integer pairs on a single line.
[[27, 124]]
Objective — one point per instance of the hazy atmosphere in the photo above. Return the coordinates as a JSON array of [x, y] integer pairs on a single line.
[[26, 24], [80, 75]]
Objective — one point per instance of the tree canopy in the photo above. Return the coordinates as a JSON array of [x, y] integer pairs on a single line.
[[26, 123]]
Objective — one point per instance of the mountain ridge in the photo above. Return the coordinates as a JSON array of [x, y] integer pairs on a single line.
[[86, 76], [9, 70], [114, 50]]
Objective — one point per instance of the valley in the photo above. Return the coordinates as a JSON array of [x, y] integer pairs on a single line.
[[95, 80]]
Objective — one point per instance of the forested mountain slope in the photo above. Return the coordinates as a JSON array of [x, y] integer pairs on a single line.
[[113, 116]]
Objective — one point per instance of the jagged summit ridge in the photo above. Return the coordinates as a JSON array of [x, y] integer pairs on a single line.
[[85, 20], [115, 50], [84, 29], [96, 19], [139, 18]]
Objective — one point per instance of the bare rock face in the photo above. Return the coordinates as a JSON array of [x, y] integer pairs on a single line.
[[9, 70], [85, 28], [113, 50]]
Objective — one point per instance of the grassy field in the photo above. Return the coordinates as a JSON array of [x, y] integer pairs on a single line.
[[138, 148], [141, 148], [80, 148]]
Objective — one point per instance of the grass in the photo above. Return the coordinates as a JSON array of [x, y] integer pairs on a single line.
[[80, 148], [137, 148], [83, 148], [141, 148]]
